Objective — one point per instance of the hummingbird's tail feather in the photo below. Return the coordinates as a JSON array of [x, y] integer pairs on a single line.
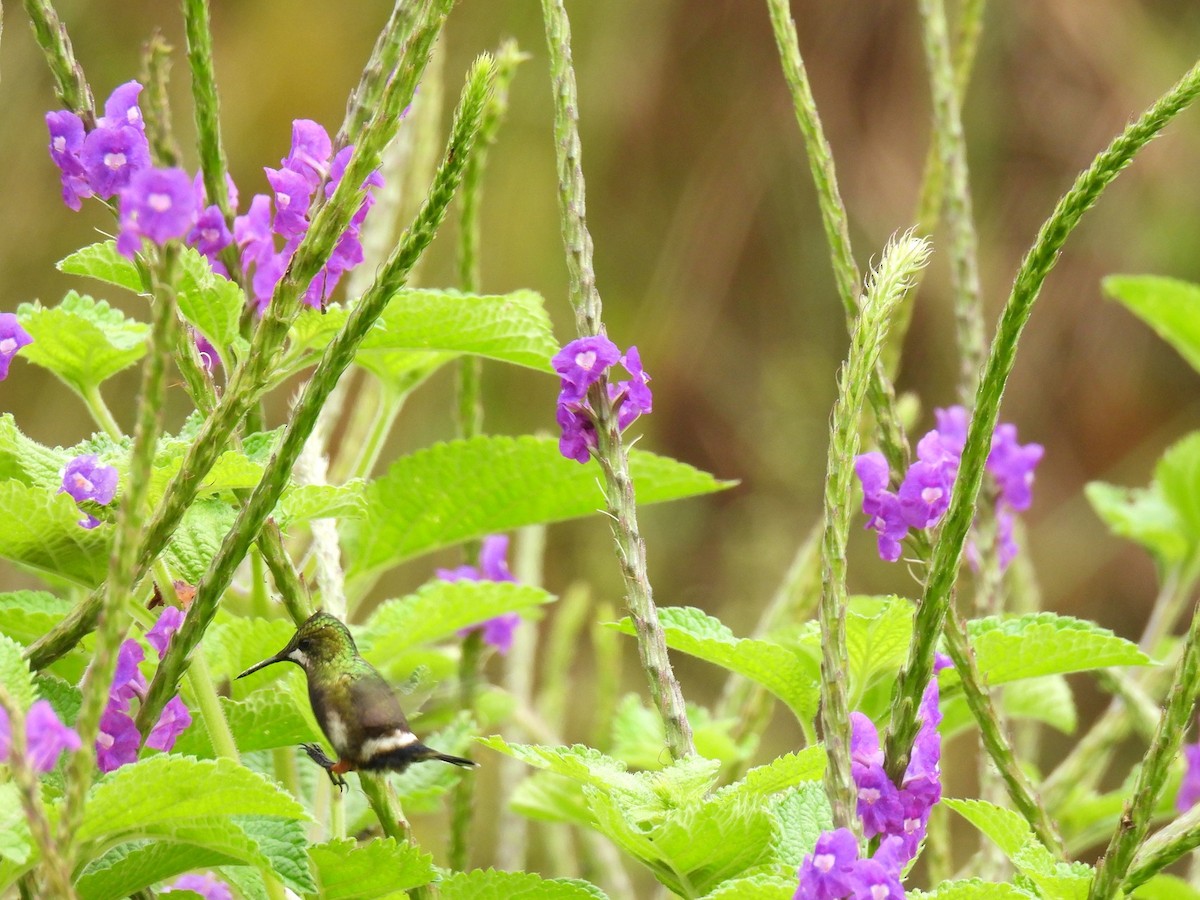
[[456, 760]]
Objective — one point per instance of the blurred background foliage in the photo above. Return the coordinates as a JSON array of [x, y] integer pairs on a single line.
[[710, 253]]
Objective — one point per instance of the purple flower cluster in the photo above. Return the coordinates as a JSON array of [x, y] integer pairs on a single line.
[[118, 740], [46, 737], [295, 186], [493, 566], [582, 363], [113, 159], [86, 478], [207, 886], [924, 493], [897, 815], [12, 338]]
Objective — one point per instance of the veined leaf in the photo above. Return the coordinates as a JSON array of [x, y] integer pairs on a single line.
[[786, 674], [1169, 306], [27, 615], [25, 460], [129, 868], [348, 870], [15, 674], [82, 341], [467, 489], [102, 262], [489, 884], [1005, 828], [783, 772], [972, 889], [198, 538], [801, 815], [265, 720], [755, 887], [1142, 515], [16, 843], [439, 609], [211, 302], [40, 529]]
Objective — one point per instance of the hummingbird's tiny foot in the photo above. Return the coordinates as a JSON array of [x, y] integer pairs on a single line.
[[317, 755]]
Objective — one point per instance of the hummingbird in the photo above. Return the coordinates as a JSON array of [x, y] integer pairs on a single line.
[[354, 705]]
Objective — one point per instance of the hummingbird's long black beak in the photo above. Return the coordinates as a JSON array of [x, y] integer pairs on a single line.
[[279, 657]]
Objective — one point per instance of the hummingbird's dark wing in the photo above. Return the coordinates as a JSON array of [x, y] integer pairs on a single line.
[[375, 702]]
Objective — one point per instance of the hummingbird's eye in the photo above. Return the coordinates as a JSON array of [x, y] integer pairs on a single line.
[[304, 645]]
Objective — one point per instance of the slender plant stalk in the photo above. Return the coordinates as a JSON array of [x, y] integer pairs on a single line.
[[1163, 848], [469, 410], [901, 260], [385, 806], [69, 83], [1134, 823], [610, 452], [406, 18], [254, 375], [335, 360], [964, 244], [833, 215], [931, 612], [122, 562], [153, 102]]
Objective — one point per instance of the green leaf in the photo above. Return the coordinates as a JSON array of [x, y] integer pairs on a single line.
[[233, 644], [16, 844], [800, 817], [439, 609], [102, 262], [755, 887], [420, 788], [198, 538], [129, 868], [25, 460], [232, 471], [1142, 515], [971, 889], [1055, 880], [420, 330], [162, 791], [265, 720], [1005, 828], [783, 772], [789, 676], [488, 884], [285, 845], [40, 530], [467, 489], [82, 341], [552, 798], [1166, 887], [27, 615], [321, 501], [211, 302], [1039, 644], [1178, 476], [347, 870], [15, 674], [1047, 700], [1169, 306], [63, 696], [638, 735]]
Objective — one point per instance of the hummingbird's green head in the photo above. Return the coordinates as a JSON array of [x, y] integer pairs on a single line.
[[319, 642]]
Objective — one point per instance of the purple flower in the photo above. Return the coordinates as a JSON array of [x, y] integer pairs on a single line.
[[158, 204], [209, 358], [1012, 465], [46, 737], [827, 872], [310, 151], [881, 506], [118, 740], [173, 722], [632, 398], [112, 155], [121, 107], [578, 432], [12, 338], [85, 478], [206, 886], [210, 235], [66, 147], [128, 681], [1189, 788], [493, 566], [873, 880], [293, 193], [168, 623], [581, 363]]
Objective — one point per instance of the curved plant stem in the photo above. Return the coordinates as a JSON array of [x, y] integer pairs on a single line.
[[931, 612], [69, 83], [213, 165], [610, 452], [336, 359], [964, 244]]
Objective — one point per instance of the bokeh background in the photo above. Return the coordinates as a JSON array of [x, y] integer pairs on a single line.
[[710, 254]]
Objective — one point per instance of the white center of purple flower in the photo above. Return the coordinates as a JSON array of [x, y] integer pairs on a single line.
[[114, 161], [868, 795], [209, 234], [133, 115], [283, 200], [824, 861], [104, 739], [931, 495], [59, 143], [879, 892], [586, 359], [8, 346], [83, 485], [158, 202]]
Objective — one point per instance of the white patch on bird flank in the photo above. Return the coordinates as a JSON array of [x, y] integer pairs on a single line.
[[398, 739], [337, 731]]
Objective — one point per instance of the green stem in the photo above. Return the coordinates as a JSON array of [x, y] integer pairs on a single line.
[[835, 220], [385, 806], [287, 580], [336, 359], [260, 601], [390, 48], [154, 103], [69, 84], [1152, 774], [469, 678], [931, 612], [610, 452], [122, 562], [100, 411], [896, 270], [952, 146], [1173, 841], [215, 723]]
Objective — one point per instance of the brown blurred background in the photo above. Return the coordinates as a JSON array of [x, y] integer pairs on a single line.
[[709, 250]]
